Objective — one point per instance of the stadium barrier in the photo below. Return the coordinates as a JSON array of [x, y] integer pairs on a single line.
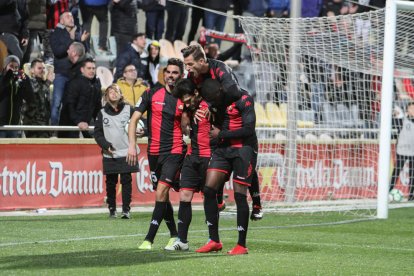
[[67, 173]]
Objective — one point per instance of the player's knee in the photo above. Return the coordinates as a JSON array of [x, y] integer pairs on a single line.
[[209, 192], [162, 193]]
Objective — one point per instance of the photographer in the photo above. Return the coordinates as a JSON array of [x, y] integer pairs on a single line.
[[14, 88]]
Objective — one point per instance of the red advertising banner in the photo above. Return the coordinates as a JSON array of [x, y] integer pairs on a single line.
[[70, 175]]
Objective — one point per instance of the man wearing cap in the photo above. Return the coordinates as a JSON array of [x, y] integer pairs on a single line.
[[14, 88]]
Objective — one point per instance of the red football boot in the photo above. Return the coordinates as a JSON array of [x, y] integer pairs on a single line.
[[211, 246], [238, 250]]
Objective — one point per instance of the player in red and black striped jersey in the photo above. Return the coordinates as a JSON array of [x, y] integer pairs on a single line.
[[166, 148], [236, 152], [200, 68], [193, 173]]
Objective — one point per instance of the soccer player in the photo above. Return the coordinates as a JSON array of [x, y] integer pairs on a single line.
[[166, 148], [236, 152], [200, 67], [193, 173]]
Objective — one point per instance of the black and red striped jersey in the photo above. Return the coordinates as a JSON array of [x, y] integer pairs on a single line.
[[164, 113], [218, 70], [238, 128], [53, 11], [201, 143]]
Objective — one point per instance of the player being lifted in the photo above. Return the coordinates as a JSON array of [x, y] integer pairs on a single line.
[[236, 152], [200, 68], [166, 148]]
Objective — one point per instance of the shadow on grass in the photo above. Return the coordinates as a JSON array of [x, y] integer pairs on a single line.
[[96, 258]]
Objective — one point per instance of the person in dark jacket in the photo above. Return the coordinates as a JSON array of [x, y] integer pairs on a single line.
[[60, 40], [13, 27], [81, 102], [111, 136], [123, 22], [155, 14], [131, 55], [14, 88], [37, 111], [98, 8]]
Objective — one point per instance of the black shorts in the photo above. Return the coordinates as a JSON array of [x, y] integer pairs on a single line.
[[193, 173], [240, 161], [165, 169]]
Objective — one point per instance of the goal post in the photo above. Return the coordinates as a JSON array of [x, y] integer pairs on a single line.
[[387, 97], [334, 141]]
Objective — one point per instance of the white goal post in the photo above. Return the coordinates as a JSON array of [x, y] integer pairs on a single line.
[[344, 80]]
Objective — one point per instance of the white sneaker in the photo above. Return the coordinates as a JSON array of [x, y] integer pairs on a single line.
[[177, 246]]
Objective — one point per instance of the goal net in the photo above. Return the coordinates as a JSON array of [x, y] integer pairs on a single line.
[[317, 92]]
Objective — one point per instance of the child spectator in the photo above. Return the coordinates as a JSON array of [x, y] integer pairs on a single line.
[[111, 137]]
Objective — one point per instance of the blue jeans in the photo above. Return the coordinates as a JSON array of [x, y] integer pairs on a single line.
[[58, 89], [10, 134], [214, 22]]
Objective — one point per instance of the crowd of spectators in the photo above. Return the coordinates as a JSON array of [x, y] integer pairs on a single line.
[[64, 26]]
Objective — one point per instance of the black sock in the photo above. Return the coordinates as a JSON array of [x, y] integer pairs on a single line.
[[254, 190], [157, 216], [212, 214], [169, 219], [220, 195], [242, 217], [184, 220]]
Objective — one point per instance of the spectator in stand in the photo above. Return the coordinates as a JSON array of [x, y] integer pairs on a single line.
[[36, 25], [37, 111], [131, 87], [278, 8], [13, 27], [256, 8], [14, 88], [76, 56], [311, 8], [334, 7], [132, 55], [81, 102], [154, 13], [216, 21], [98, 8], [123, 22], [110, 135], [154, 63], [176, 20], [197, 15], [54, 8], [405, 147], [60, 40]]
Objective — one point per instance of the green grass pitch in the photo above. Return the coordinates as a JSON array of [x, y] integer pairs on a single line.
[[280, 244]]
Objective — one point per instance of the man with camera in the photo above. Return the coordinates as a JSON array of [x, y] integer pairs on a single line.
[[14, 88]]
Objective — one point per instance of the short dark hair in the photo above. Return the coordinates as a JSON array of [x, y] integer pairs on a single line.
[[211, 90], [36, 60], [177, 62], [135, 36], [196, 50], [183, 87], [86, 60], [410, 104]]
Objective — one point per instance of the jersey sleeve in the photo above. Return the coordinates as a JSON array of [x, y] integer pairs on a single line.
[[246, 108], [144, 102]]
